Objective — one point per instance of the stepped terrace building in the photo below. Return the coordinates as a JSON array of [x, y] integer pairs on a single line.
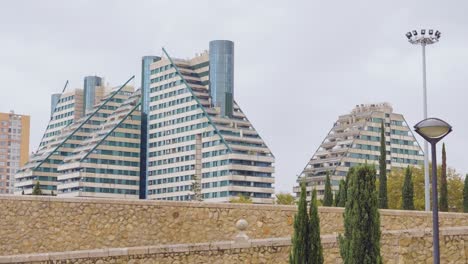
[[354, 139], [198, 134], [182, 136], [73, 139]]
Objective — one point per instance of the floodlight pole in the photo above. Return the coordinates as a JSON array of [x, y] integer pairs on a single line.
[[427, 197], [424, 39]]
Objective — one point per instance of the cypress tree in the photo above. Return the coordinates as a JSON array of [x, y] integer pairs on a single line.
[[383, 200], [465, 195], [336, 200], [342, 192], [443, 198], [408, 190], [300, 240], [37, 189], [328, 197], [361, 240], [315, 250]]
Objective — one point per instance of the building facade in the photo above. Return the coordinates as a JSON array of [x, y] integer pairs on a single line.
[[75, 135], [199, 136], [105, 162], [182, 136], [354, 139], [14, 148]]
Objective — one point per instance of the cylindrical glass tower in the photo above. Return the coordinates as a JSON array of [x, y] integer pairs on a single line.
[[53, 102], [222, 75], [90, 83]]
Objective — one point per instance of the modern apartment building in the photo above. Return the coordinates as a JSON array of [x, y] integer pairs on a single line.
[[106, 161], [75, 136], [355, 139], [14, 148], [182, 136], [198, 134]]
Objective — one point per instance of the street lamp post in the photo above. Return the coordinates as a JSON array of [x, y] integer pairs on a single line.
[[424, 39], [433, 130]]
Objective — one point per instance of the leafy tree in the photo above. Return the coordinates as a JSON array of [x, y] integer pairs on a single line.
[[395, 183], [241, 199], [397, 178], [285, 198], [315, 250], [465, 195], [300, 240], [328, 197], [443, 198], [342, 192], [37, 189], [455, 191], [408, 191], [383, 200], [361, 240]]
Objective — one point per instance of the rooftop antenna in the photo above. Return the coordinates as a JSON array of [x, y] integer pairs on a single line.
[[65, 87]]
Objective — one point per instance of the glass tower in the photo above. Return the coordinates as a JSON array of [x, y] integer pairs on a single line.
[[90, 83], [145, 91], [53, 102], [222, 75]]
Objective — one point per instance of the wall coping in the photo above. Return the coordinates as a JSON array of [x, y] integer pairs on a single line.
[[445, 231], [143, 250], [328, 240], [273, 207]]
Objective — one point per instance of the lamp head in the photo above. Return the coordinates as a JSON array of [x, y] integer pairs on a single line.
[[408, 35], [423, 31], [431, 31], [433, 129], [415, 32]]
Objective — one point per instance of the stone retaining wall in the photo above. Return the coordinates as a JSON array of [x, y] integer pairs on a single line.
[[48, 224], [406, 246]]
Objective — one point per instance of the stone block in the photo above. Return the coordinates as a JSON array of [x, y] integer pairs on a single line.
[[118, 252], [138, 250]]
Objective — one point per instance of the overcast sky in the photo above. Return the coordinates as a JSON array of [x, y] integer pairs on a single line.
[[298, 64]]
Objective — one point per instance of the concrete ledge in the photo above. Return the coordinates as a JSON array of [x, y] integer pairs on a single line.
[[159, 249], [156, 203], [328, 241], [409, 213]]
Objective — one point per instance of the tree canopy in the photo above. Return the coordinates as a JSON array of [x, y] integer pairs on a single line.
[[285, 198], [37, 189], [241, 199], [395, 185]]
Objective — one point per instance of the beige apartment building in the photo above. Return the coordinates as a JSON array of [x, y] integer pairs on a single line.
[[182, 136], [354, 139], [88, 150], [14, 148], [198, 134]]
